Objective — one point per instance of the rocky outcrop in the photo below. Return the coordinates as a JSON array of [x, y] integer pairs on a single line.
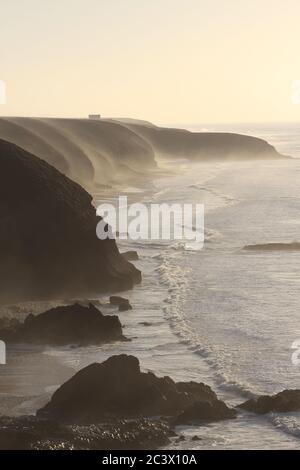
[[121, 302], [205, 411], [282, 402], [31, 433], [72, 324], [125, 307], [117, 388], [48, 243]]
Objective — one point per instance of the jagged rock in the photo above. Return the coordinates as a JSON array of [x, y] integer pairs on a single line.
[[72, 324], [288, 400], [205, 411], [31, 433], [121, 302], [124, 307], [116, 300], [48, 242], [118, 388], [131, 255]]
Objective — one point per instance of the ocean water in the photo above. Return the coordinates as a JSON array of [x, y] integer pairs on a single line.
[[220, 315]]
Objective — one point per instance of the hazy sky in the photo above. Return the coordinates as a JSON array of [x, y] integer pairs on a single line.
[[162, 60]]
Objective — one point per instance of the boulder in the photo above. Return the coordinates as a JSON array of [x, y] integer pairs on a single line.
[[124, 307], [121, 302], [282, 402], [205, 411], [48, 242], [117, 300], [72, 324], [117, 388]]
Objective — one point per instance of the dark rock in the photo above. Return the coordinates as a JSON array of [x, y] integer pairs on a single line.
[[293, 246], [124, 307], [198, 391], [205, 411], [83, 302], [48, 242], [31, 433], [145, 323], [118, 388], [286, 401], [196, 438], [130, 255], [116, 300], [66, 325], [121, 302]]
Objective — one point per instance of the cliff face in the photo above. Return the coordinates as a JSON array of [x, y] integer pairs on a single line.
[[87, 151], [205, 146], [116, 152], [48, 243]]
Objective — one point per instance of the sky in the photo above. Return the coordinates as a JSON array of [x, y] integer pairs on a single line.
[[166, 61]]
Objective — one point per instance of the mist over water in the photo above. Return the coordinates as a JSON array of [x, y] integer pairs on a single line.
[[222, 315]]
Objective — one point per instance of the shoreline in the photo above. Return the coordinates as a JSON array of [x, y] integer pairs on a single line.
[[157, 337]]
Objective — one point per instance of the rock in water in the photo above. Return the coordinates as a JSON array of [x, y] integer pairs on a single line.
[[124, 307], [121, 302], [71, 324], [293, 246], [205, 411], [117, 388], [48, 243], [284, 402], [117, 300]]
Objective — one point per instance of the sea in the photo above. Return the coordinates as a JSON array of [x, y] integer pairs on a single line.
[[221, 314]]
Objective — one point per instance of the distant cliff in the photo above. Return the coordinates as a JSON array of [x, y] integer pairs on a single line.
[[121, 152], [201, 146], [48, 243]]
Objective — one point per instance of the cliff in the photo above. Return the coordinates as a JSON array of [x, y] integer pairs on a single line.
[[48, 243], [121, 152], [90, 152], [202, 146]]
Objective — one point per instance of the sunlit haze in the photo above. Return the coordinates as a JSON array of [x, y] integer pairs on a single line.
[[167, 61]]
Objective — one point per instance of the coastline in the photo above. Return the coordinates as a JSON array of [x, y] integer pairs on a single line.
[[156, 335]]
